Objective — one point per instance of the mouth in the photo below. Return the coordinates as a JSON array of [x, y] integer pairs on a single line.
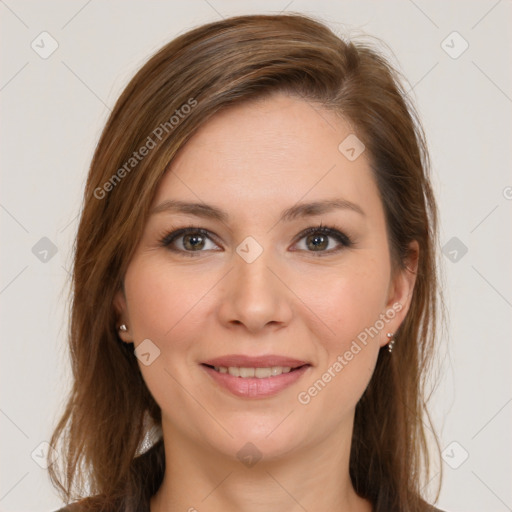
[[245, 372], [255, 377]]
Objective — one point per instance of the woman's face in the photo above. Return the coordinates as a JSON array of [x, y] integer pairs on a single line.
[[303, 314]]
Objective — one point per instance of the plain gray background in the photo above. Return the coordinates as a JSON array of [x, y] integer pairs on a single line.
[[53, 110]]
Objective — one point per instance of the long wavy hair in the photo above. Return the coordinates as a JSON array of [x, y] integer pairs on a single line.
[[99, 435]]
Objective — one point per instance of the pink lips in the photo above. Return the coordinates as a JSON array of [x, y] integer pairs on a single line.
[[254, 387]]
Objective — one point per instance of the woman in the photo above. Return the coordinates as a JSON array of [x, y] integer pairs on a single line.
[[255, 294]]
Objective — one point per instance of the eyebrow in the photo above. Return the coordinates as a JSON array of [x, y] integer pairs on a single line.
[[297, 211]]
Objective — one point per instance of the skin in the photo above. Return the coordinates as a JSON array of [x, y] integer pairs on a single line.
[[253, 161]]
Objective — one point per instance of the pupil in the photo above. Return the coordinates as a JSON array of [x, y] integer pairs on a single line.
[[193, 240], [318, 241]]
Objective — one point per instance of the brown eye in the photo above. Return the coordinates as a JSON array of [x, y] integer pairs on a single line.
[[193, 242], [188, 240], [318, 240]]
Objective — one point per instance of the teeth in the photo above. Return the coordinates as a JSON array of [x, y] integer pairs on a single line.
[[259, 373], [235, 372], [263, 373], [243, 372]]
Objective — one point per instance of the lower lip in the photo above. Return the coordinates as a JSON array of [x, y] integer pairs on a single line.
[[252, 387]]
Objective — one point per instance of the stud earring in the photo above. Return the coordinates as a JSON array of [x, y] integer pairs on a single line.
[[391, 341], [123, 328]]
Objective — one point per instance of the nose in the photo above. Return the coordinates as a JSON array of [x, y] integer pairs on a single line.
[[255, 294]]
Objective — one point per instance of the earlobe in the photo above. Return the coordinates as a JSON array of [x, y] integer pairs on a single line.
[[122, 325]]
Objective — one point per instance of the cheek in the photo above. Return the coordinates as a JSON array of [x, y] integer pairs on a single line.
[[161, 300], [350, 305], [348, 301], [162, 306]]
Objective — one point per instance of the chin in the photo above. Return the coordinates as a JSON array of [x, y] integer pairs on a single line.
[[270, 436]]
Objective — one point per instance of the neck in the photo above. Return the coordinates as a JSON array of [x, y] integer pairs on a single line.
[[200, 479]]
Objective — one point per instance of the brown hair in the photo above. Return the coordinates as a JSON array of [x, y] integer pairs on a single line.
[[210, 68]]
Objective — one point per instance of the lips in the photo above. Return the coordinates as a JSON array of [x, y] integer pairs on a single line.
[[255, 377]]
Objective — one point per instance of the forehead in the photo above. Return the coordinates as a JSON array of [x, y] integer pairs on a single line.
[[272, 152]]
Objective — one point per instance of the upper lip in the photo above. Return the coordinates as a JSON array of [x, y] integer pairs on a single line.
[[243, 361]]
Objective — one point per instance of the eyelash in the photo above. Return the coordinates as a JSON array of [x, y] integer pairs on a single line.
[[343, 239]]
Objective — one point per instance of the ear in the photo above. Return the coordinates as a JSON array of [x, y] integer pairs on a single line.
[[400, 291], [122, 317]]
